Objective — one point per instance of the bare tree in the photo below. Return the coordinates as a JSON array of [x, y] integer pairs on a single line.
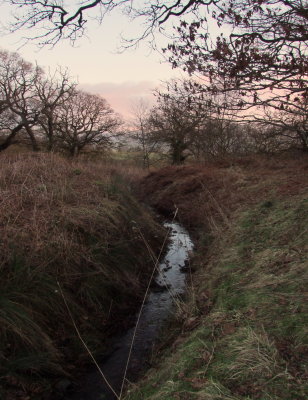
[[288, 124], [85, 119], [40, 105], [177, 119], [52, 91], [261, 54], [209, 129], [9, 129], [143, 132], [218, 135], [18, 97]]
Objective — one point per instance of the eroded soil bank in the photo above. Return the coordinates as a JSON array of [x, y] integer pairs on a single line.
[[71, 254], [242, 334]]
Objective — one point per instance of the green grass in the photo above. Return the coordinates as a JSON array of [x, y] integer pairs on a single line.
[[250, 342]]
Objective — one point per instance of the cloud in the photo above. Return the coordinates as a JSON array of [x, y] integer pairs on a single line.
[[122, 96]]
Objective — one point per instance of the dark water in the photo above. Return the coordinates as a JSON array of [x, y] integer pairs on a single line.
[[157, 309]]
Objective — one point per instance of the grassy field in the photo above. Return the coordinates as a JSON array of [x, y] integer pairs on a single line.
[[69, 234], [244, 333]]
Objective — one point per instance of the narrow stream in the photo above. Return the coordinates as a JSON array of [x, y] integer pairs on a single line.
[[169, 285]]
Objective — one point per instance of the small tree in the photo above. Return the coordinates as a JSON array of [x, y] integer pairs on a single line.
[[176, 120], [218, 135], [143, 132], [83, 120]]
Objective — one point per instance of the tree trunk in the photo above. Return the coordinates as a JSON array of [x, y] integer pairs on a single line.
[[74, 151], [9, 139], [146, 160], [304, 139], [50, 145], [34, 144], [177, 149]]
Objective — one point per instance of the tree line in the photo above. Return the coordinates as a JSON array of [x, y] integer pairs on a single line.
[[49, 111], [249, 80], [186, 122]]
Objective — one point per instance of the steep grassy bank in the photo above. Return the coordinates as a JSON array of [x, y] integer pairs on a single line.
[[243, 335], [75, 224]]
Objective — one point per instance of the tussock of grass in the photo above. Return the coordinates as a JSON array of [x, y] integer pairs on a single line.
[[249, 288], [73, 223]]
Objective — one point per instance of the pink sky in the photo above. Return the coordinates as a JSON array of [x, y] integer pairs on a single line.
[[119, 77], [122, 96]]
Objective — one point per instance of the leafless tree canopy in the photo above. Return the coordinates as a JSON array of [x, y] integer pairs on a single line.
[[48, 109], [53, 91], [260, 56], [85, 119], [68, 19], [265, 49], [192, 123], [143, 133], [20, 108]]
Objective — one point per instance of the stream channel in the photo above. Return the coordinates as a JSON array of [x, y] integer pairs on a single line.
[[169, 285]]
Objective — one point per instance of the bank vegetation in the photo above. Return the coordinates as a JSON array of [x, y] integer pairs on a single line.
[[71, 253], [241, 332]]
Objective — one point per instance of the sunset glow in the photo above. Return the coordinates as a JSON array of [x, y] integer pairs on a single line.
[[97, 64]]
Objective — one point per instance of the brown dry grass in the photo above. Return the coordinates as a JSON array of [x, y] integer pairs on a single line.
[[72, 222], [244, 333], [40, 194], [210, 192]]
